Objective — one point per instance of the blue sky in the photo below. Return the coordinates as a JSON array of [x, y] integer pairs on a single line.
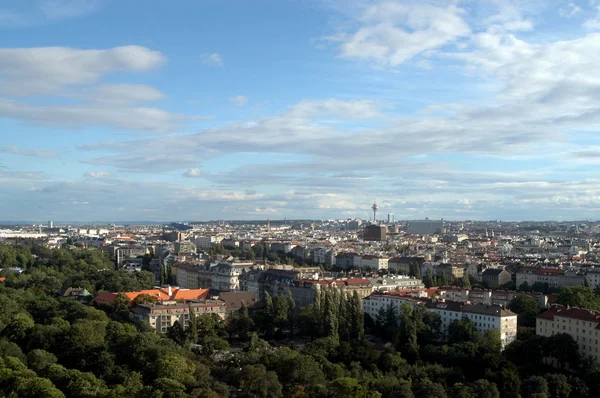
[[205, 110]]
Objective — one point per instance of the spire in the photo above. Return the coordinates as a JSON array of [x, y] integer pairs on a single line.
[[374, 207]]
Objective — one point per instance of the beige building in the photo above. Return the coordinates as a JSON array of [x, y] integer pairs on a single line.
[[484, 317], [192, 276], [581, 324], [162, 316], [554, 277]]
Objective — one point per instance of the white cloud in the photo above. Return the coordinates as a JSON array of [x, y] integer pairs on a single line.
[[239, 100], [48, 70], [392, 33], [213, 59], [124, 94], [97, 175], [193, 173], [150, 120], [570, 10], [29, 152]]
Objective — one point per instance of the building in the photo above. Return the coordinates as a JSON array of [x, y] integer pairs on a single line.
[[191, 276], [390, 219], [377, 233], [206, 242], [390, 283], [173, 236], [235, 300], [581, 324], [50, 224], [374, 263], [250, 281], [402, 265], [184, 246], [304, 291], [425, 227], [494, 277], [162, 316], [347, 260], [483, 316], [226, 276], [554, 277], [168, 294], [375, 303], [78, 293], [123, 253]]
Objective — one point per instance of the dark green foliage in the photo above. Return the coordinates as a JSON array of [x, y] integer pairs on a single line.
[[57, 347]]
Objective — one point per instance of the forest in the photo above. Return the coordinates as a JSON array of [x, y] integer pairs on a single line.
[[52, 346]]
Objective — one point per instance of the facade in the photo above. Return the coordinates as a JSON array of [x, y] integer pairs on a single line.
[[250, 281], [373, 304], [373, 262], [425, 227], [402, 265], [192, 276], [347, 260], [581, 324], [205, 242], [554, 277], [377, 233], [493, 277], [396, 283], [161, 317], [184, 247], [124, 252], [226, 277], [484, 317], [487, 296]]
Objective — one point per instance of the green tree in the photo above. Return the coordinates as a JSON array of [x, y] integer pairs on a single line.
[[579, 296], [535, 386], [256, 381], [527, 308]]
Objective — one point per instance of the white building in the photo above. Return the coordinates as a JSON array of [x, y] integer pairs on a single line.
[[554, 277], [374, 262], [206, 242], [484, 317], [426, 226], [583, 325], [375, 302]]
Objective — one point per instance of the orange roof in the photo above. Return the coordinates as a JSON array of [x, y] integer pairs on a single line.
[[161, 294], [2, 279]]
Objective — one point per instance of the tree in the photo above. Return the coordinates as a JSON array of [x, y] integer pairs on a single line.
[[346, 387], [256, 381], [527, 308], [579, 296], [38, 360], [484, 389], [558, 385], [460, 330], [428, 279], [534, 386], [144, 299]]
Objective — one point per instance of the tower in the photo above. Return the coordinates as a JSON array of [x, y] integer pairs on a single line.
[[374, 207], [268, 225]]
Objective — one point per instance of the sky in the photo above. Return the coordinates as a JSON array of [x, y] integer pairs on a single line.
[[232, 109]]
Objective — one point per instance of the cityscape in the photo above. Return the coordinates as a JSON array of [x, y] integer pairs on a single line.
[[299, 198]]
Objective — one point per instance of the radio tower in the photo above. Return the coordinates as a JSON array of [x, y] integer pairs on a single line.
[[374, 207]]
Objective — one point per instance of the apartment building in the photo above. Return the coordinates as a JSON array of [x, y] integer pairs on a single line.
[[191, 276], [374, 303], [554, 277], [484, 317], [581, 324], [161, 317], [374, 262]]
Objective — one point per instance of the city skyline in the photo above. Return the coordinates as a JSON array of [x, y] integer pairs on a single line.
[[300, 109]]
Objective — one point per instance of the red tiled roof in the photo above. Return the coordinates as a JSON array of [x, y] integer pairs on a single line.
[[161, 294], [572, 312]]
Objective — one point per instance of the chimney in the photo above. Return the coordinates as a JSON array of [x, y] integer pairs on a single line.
[[170, 292]]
